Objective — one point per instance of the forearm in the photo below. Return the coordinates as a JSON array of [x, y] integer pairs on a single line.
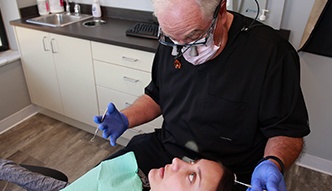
[[143, 110], [285, 148]]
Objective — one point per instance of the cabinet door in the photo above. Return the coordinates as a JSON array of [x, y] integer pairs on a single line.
[[73, 60], [39, 68]]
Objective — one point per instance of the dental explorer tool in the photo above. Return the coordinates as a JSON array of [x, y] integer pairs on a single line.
[[241, 183], [101, 120]]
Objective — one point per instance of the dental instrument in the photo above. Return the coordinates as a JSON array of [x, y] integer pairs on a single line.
[[101, 120], [241, 183]]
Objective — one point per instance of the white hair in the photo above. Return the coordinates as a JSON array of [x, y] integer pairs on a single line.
[[207, 6]]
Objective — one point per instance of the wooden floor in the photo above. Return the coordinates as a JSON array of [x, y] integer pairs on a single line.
[[302, 179], [43, 141]]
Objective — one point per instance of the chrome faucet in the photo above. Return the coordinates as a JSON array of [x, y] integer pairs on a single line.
[[77, 9], [67, 7]]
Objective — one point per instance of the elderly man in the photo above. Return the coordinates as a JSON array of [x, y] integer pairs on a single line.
[[228, 88]]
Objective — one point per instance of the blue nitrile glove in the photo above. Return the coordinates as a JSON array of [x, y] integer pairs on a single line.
[[114, 124], [267, 176]]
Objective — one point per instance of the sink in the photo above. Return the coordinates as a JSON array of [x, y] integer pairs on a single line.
[[94, 23], [58, 19]]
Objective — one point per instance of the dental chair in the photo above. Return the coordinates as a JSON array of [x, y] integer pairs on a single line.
[[47, 172]]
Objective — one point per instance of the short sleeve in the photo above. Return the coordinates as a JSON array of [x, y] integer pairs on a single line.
[[152, 89], [282, 108]]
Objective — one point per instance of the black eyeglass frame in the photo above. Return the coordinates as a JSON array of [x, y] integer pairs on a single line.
[[163, 38]]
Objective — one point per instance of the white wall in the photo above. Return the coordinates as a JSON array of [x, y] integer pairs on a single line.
[[273, 16], [14, 92], [14, 98], [143, 5], [316, 85], [26, 3]]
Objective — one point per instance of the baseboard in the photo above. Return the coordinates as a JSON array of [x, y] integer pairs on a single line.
[[315, 163], [17, 118]]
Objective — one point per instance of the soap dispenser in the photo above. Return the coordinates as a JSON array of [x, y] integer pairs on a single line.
[[96, 10]]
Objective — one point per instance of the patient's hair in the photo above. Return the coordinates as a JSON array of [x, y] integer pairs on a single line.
[[226, 182]]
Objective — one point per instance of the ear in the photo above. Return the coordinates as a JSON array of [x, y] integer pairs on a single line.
[[222, 13]]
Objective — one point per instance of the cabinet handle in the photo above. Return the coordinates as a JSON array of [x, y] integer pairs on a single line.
[[129, 59], [132, 80], [53, 46], [44, 44]]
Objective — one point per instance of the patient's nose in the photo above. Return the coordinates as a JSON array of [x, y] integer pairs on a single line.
[[178, 164]]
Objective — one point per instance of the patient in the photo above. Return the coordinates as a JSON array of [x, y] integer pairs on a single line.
[[202, 175]]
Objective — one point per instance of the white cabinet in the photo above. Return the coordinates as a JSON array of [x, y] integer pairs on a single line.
[[78, 78], [121, 76], [59, 73], [39, 68]]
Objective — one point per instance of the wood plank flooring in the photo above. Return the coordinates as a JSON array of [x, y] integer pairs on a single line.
[[302, 179], [43, 141]]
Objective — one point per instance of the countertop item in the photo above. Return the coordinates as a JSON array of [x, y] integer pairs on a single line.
[[113, 32], [43, 7], [56, 6], [96, 10]]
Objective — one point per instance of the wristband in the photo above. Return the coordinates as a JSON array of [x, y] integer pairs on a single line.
[[281, 164]]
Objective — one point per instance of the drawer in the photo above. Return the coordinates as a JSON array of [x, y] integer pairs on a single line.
[[120, 78], [121, 101], [126, 57]]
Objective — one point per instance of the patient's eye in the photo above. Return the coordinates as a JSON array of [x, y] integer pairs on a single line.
[[192, 177]]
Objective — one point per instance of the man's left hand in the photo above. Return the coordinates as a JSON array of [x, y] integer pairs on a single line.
[[267, 176]]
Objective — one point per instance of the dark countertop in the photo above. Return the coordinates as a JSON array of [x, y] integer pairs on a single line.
[[113, 32]]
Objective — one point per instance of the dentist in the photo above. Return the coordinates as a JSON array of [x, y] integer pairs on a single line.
[[228, 88]]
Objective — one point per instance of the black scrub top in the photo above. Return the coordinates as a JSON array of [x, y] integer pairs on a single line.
[[227, 108]]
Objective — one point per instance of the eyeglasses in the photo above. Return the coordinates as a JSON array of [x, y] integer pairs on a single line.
[[167, 41]]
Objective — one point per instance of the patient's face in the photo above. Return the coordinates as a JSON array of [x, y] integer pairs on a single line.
[[181, 176]]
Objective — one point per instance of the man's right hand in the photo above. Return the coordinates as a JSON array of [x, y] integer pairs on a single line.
[[114, 125]]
